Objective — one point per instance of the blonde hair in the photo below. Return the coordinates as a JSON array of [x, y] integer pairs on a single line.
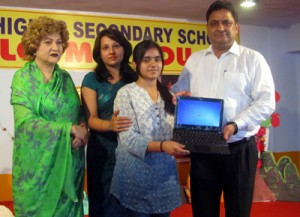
[[37, 30]]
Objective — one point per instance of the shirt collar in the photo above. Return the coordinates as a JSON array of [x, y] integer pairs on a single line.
[[234, 50]]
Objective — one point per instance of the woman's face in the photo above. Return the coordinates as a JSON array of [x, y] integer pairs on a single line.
[[151, 65], [50, 50], [111, 52]]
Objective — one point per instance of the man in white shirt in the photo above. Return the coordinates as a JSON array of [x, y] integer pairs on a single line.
[[242, 78]]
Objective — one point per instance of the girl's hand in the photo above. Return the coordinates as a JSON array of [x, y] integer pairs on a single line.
[[174, 148]]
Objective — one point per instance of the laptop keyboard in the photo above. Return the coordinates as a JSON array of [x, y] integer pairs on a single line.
[[202, 142], [210, 142], [192, 136]]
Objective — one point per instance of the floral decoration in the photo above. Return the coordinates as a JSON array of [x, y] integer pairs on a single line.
[[272, 121]]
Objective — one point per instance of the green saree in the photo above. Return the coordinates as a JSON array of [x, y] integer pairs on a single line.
[[47, 172]]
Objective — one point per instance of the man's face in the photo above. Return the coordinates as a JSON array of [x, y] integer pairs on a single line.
[[222, 29]]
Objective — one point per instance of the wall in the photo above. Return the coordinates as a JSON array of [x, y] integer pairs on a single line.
[[292, 39], [297, 72], [271, 43]]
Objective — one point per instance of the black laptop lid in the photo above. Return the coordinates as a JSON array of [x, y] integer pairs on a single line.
[[199, 113]]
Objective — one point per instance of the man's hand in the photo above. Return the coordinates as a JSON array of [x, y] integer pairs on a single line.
[[180, 93]]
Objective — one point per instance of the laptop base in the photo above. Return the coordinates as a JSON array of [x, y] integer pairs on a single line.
[[211, 143]]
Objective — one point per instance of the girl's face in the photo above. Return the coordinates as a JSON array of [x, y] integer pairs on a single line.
[[151, 65], [111, 52], [50, 50]]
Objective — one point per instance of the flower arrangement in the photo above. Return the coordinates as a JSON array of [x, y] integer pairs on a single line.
[[272, 121]]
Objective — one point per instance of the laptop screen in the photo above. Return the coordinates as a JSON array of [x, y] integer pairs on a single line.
[[199, 113]]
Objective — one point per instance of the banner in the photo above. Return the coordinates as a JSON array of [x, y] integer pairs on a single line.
[[177, 39]]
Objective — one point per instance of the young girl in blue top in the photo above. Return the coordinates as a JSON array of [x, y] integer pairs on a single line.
[[145, 179]]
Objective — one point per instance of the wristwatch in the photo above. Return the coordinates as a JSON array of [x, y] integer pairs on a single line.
[[235, 127]]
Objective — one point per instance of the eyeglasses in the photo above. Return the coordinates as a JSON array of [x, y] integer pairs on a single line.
[[225, 23]]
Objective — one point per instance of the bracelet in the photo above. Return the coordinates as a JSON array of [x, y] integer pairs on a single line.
[[108, 125], [161, 146]]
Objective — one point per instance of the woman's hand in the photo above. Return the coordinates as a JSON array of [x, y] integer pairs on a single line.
[[119, 123], [76, 143], [173, 148], [80, 135]]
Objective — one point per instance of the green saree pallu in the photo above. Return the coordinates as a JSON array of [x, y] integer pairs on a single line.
[[47, 172]]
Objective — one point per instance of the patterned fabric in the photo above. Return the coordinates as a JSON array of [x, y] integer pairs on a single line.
[[101, 145], [144, 181], [47, 173]]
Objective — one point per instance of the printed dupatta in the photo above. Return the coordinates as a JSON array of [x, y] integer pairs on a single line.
[[43, 161]]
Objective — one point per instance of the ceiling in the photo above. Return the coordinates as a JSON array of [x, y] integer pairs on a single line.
[[282, 13]]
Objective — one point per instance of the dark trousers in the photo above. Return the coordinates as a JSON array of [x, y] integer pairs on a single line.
[[99, 175], [234, 174], [96, 189]]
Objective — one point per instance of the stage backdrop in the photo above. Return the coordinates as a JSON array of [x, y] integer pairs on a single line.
[[177, 38]]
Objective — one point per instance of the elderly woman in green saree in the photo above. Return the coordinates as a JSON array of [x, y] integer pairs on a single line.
[[48, 152]]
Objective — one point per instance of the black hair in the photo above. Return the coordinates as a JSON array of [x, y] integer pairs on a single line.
[[218, 5], [138, 54], [126, 72]]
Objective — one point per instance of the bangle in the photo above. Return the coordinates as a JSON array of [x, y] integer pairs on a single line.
[[235, 127], [108, 125], [161, 146]]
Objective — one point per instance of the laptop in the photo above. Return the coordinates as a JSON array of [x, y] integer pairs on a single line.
[[198, 124]]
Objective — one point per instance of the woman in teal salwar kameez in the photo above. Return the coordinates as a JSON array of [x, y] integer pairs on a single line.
[[48, 153], [111, 52]]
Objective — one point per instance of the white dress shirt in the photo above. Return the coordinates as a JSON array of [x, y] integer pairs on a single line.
[[241, 77]]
